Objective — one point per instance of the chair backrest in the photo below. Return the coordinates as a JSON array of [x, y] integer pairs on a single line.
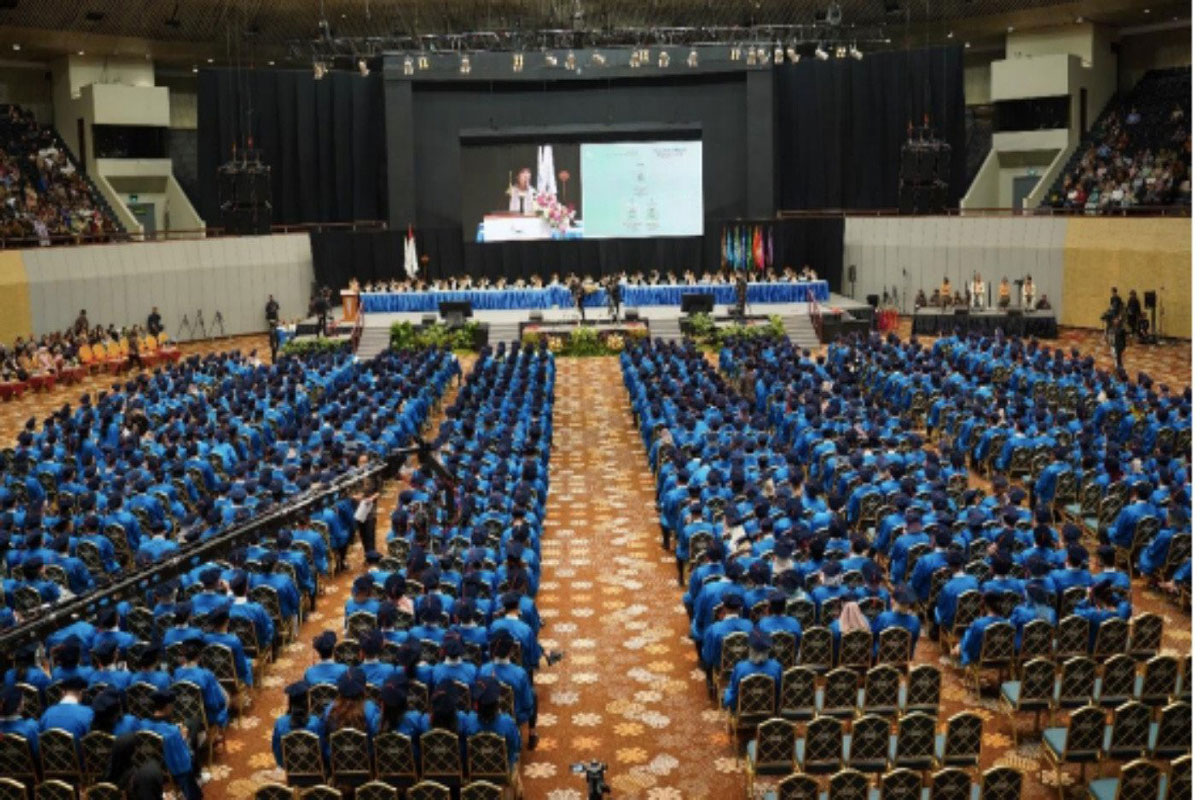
[[900, 784], [1111, 638], [480, 790], [803, 611], [950, 783], [1179, 781], [841, 692], [1118, 677], [1174, 731], [799, 786], [440, 755], [302, 757], [1145, 634], [856, 650], [783, 647], [776, 745], [849, 784], [831, 609], [147, 748], [1001, 783], [347, 652], [349, 756], [394, 759], [51, 789], [487, 757], [895, 646], [999, 644], [798, 693], [1139, 780], [964, 738], [16, 759], [1037, 683], [822, 745], [1130, 731], [60, 759], [97, 748], [756, 696], [1158, 683], [189, 702], [1077, 685], [868, 741], [882, 690], [816, 649], [321, 793], [1037, 639], [31, 701], [915, 740], [924, 689], [735, 647], [320, 695], [1085, 733], [273, 791], [428, 790], [968, 609]]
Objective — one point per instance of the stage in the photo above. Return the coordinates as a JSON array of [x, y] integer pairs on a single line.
[[1040, 324]]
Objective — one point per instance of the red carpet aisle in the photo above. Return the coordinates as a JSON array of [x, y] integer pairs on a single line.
[[627, 692]]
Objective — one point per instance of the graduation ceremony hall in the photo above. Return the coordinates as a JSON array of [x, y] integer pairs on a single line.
[[677, 400]]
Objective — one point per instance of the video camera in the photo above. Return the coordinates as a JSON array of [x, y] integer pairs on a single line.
[[593, 772]]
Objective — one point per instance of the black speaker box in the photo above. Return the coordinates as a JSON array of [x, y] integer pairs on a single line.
[[631, 314], [873, 300], [1150, 299], [535, 316]]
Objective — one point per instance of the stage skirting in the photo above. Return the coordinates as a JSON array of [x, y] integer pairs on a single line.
[[1042, 324], [560, 297]]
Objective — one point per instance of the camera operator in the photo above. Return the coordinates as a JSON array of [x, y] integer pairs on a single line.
[[1133, 311]]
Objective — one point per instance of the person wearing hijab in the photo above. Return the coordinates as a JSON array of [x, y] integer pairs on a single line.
[[851, 619]]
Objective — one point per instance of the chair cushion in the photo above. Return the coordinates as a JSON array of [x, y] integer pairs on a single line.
[[1011, 691], [751, 751], [1055, 739], [1103, 789], [799, 749]]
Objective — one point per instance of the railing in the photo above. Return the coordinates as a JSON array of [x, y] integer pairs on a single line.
[[195, 234], [356, 334], [814, 313], [836, 213]]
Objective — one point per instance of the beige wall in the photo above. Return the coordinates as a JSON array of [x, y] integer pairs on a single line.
[[1046, 75], [977, 79], [1142, 254], [1072, 39], [1157, 50], [28, 85]]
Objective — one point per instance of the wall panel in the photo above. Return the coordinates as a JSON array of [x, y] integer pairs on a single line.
[[120, 283], [16, 312]]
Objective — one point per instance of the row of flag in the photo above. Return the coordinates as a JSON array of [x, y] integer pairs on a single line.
[[748, 247]]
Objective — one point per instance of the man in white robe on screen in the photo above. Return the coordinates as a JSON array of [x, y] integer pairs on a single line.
[[520, 194]]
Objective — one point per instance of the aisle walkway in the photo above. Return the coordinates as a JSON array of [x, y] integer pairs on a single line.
[[627, 692]]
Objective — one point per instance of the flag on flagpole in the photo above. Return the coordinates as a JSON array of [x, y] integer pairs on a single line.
[[410, 254]]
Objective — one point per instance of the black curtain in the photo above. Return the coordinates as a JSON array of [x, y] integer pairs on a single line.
[[339, 256], [324, 141], [816, 242], [842, 122]]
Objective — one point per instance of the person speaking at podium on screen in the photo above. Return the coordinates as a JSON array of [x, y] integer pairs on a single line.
[[520, 194]]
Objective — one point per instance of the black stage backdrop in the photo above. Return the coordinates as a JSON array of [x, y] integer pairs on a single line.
[[324, 140], [374, 255], [842, 122]]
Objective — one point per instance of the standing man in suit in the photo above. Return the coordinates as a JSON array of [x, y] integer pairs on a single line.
[[272, 312]]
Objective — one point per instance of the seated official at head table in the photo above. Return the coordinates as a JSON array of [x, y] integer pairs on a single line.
[[650, 278]]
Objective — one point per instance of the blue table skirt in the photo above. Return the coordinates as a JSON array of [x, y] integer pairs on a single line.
[[559, 296]]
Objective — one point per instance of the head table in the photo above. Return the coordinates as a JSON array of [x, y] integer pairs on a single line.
[[560, 297]]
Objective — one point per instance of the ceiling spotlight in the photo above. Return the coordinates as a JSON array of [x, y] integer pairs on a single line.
[[821, 53], [840, 51], [599, 59], [570, 62], [81, 53], [195, 69], [209, 60], [635, 59], [735, 54], [751, 57], [408, 65], [778, 55], [16, 46], [693, 59], [856, 54], [1079, 20], [464, 66], [1011, 29], [551, 60], [518, 62], [1145, 11], [967, 45], [363, 69], [423, 63], [270, 63], [950, 35]]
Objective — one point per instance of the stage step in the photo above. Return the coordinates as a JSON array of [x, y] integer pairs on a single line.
[[666, 329], [374, 340], [504, 332], [800, 330]]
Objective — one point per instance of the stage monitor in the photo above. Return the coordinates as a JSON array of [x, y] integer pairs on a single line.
[[582, 190], [454, 311], [696, 303]]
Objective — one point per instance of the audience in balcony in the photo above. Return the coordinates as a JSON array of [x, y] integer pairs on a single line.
[[42, 194]]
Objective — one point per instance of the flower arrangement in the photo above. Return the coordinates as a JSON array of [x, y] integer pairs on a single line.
[[559, 215]]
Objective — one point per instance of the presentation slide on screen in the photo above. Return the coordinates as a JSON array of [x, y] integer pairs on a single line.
[[582, 191]]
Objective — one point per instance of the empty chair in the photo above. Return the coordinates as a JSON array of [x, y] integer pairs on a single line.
[[1079, 743], [1157, 684], [915, 743], [1076, 684], [1072, 637], [816, 649], [1139, 780], [868, 749], [798, 694], [480, 790], [1000, 783], [951, 783], [923, 690], [995, 652], [1117, 681], [900, 784], [771, 751], [849, 784], [1037, 640], [755, 703], [1179, 779], [1171, 736], [302, 759], [798, 786], [960, 745], [1145, 636], [395, 763], [54, 790], [16, 760], [855, 650], [375, 790], [1112, 638], [1034, 691], [349, 757], [1129, 735], [881, 693], [819, 751], [60, 758], [441, 758], [839, 696], [895, 647]]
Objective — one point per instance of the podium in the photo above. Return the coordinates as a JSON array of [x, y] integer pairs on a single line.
[[503, 227], [349, 304]]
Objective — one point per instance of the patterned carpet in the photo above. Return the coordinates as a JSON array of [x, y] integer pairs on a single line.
[[628, 691]]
